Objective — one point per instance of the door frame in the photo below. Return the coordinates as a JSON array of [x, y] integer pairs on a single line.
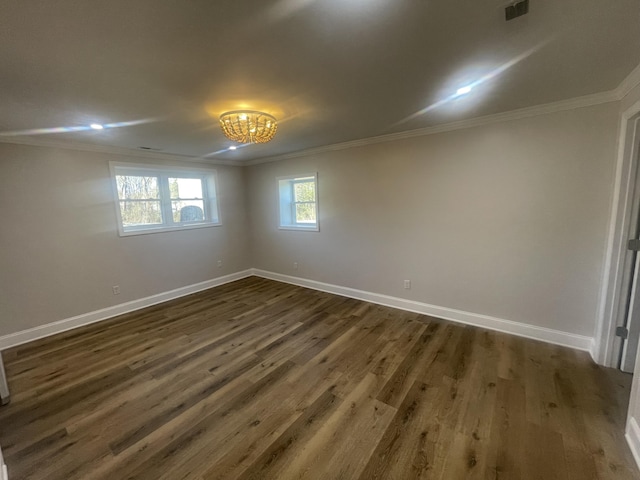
[[616, 274]]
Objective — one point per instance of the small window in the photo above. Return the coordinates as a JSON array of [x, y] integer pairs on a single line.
[[157, 198], [298, 202]]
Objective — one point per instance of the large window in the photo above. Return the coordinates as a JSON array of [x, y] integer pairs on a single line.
[[298, 202], [157, 198]]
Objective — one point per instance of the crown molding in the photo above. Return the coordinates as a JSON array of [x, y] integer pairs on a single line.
[[109, 149], [629, 83], [544, 109]]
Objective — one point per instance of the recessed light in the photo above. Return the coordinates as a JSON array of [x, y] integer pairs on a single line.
[[96, 126], [232, 148], [464, 90]]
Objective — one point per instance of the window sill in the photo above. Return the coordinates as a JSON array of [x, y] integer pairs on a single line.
[[315, 228], [146, 231]]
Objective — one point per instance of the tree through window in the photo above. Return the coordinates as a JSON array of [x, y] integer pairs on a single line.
[[298, 202], [157, 198]]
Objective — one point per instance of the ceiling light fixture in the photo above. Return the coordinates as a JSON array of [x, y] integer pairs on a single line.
[[233, 147], [248, 126], [464, 90], [96, 126]]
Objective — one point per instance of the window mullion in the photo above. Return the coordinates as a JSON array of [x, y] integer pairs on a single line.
[[165, 200], [294, 213], [205, 199]]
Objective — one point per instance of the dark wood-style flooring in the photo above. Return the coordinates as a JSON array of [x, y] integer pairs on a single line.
[[262, 380]]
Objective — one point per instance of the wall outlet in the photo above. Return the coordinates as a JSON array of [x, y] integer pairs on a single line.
[[116, 289], [295, 265], [219, 263], [407, 284]]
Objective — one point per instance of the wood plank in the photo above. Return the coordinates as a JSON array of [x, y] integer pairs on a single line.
[[263, 380]]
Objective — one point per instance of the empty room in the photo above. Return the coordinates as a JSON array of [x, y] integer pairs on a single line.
[[319, 239]]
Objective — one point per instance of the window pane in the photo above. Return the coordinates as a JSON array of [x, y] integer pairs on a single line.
[[185, 187], [187, 210], [305, 213], [304, 191], [135, 187], [141, 212]]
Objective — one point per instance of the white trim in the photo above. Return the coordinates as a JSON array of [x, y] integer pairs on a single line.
[[629, 83], [179, 227], [24, 336], [544, 109], [295, 228], [5, 396], [4, 475], [207, 177], [286, 200], [613, 271], [548, 335], [536, 110], [593, 350], [153, 168], [633, 438], [113, 150]]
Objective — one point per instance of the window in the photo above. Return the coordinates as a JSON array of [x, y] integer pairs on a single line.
[[156, 198], [298, 202]]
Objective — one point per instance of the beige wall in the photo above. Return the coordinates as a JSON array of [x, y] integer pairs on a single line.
[[507, 220], [60, 253]]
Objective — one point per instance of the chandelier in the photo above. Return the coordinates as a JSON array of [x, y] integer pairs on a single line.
[[248, 126]]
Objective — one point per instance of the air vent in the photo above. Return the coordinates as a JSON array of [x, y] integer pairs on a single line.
[[516, 10]]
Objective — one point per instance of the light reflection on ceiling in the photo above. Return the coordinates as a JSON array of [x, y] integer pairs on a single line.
[[466, 89], [76, 128]]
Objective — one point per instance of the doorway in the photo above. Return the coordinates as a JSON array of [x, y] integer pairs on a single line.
[[628, 332], [618, 331]]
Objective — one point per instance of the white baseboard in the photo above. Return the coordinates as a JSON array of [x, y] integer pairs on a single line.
[[548, 335], [633, 438], [507, 326], [24, 336]]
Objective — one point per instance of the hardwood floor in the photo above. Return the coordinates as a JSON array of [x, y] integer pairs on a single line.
[[264, 380]]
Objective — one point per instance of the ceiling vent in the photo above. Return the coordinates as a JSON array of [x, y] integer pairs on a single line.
[[516, 10]]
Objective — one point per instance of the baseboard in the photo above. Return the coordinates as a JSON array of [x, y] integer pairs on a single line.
[[24, 336], [633, 438], [548, 335], [507, 326]]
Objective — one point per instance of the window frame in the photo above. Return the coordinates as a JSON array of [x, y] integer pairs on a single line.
[[287, 203], [208, 177]]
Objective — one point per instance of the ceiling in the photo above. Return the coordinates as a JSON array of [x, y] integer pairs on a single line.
[[161, 72]]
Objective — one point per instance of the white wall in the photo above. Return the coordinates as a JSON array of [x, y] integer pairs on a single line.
[[507, 220], [60, 253]]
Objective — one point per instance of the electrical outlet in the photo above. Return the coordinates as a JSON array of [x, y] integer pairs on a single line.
[[116, 289], [295, 265], [407, 284], [219, 263]]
